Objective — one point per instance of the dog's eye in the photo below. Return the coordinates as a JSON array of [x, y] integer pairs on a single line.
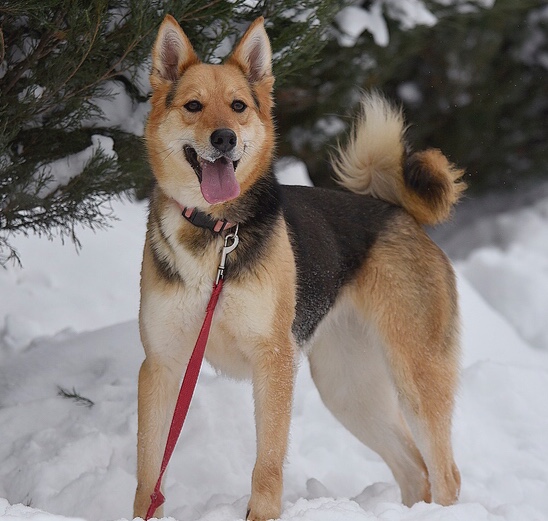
[[238, 106], [194, 106]]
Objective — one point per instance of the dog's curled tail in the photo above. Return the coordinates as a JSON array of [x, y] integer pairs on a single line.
[[376, 161]]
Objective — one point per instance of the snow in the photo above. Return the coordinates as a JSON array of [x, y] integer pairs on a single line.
[[60, 172], [59, 289], [411, 13], [410, 93], [353, 20], [291, 171], [510, 266], [69, 322], [533, 50], [118, 110]]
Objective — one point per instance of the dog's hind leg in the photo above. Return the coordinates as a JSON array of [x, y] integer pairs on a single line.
[[426, 384], [355, 384], [407, 289], [426, 391]]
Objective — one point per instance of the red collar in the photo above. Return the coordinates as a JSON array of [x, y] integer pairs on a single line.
[[203, 220]]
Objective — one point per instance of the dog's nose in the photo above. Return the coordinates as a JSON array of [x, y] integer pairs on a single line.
[[223, 139]]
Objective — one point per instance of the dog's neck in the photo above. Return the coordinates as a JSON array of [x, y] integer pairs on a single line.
[[255, 211], [203, 220]]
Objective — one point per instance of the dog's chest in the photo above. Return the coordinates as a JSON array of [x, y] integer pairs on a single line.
[[242, 325], [242, 320]]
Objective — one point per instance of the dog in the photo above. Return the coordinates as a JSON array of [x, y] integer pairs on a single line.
[[347, 277]]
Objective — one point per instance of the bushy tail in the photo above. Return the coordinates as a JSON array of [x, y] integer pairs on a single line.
[[376, 161]]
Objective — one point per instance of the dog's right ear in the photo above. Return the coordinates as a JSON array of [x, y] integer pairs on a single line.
[[172, 53]]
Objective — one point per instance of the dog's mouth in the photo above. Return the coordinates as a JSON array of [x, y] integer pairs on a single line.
[[217, 179]]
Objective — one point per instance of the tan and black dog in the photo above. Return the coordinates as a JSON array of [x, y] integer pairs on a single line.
[[347, 277]]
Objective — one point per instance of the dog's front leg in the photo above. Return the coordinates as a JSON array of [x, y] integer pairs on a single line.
[[158, 385], [273, 379]]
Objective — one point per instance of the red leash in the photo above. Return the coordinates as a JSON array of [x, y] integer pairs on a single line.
[[191, 377]]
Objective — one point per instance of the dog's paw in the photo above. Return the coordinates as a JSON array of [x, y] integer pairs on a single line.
[[262, 514]]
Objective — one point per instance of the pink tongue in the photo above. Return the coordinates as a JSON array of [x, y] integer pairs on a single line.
[[219, 181]]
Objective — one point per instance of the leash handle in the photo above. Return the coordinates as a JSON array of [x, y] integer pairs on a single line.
[[185, 396]]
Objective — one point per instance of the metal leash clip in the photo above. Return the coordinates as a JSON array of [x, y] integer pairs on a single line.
[[231, 241]]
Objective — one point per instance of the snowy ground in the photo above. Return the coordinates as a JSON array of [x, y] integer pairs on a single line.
[[69, 322]]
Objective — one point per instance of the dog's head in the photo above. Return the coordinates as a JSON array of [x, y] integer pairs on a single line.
[[209, 133]]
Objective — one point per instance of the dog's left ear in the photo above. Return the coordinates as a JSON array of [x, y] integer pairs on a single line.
[[253, 54]]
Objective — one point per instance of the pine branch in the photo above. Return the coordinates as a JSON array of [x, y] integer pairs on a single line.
[[60, 55], [73, 395], [40, 51]]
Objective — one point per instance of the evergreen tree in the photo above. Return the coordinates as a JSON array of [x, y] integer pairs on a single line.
[[61, 159], [474, 85], [479, 84]]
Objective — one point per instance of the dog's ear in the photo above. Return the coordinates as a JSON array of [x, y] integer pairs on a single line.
[[253, 54], [172, 53]]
